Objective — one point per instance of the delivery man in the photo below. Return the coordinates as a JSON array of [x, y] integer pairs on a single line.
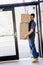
[[31, 35]]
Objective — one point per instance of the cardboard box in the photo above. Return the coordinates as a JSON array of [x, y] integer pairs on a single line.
[[23, 30], [25, 18]]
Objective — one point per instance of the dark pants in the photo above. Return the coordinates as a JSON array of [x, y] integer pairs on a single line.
[[32, 47]]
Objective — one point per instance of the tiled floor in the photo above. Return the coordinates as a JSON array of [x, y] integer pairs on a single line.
[[25, 61]]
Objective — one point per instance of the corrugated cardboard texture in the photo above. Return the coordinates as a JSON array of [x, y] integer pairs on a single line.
[[25, 18], [23, 30]]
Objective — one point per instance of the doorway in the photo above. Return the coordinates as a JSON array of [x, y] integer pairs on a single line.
[[24, 50]]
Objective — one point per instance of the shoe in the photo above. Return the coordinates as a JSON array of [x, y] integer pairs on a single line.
[[35, 60]]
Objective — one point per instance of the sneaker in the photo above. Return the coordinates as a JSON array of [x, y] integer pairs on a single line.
[[35, 60]]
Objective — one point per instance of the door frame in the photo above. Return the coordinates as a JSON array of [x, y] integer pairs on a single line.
[[11, 57], [11, 7]]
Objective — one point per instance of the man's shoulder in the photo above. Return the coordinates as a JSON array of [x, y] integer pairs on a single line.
[[34, 22]]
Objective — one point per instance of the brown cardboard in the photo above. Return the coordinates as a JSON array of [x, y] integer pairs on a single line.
[[25, 18], [23, 30]]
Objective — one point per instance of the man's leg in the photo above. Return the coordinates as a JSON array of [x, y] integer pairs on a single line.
[[33, 49]]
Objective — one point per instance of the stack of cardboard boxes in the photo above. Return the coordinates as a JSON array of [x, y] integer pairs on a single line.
[[24, 25]]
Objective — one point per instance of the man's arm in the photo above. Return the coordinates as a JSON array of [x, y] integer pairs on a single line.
[[29, 33], [31, 30]]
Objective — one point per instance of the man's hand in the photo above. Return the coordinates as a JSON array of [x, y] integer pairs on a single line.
[[25, 36], [29, 33]]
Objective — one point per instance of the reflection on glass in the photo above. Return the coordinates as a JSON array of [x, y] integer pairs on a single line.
[[7, 42]]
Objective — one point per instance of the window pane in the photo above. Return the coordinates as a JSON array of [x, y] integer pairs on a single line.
[[7, 41], [6, 25]]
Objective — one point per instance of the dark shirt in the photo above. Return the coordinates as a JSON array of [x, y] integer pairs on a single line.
[[32, 25]]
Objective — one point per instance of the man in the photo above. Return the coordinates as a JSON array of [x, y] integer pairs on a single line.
[[31, 35]]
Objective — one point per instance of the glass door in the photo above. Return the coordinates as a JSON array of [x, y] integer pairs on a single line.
[[8, 39], [24, 49]]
